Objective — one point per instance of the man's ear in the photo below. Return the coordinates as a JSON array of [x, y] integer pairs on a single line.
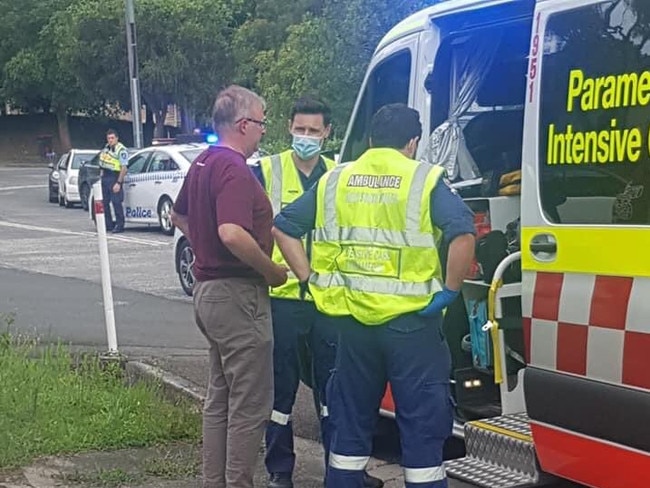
[[412, 147], [327, 131]]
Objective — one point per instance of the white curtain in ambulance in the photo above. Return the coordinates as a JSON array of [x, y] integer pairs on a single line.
[[471, 62]]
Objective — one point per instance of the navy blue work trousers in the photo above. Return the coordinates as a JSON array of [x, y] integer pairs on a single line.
[[297, 326], [109, 178], [412, 354]]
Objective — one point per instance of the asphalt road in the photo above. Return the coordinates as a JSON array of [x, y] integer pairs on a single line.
[[50, 282]]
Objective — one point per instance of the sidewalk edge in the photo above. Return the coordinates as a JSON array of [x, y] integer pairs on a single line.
[[173, 384]]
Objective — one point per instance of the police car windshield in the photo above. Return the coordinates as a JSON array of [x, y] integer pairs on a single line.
[[192, 154], [80, 158]]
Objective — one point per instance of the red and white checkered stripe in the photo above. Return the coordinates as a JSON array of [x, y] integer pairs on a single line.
[[589, 325]]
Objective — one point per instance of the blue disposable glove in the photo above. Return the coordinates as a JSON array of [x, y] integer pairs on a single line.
[[440, 301]]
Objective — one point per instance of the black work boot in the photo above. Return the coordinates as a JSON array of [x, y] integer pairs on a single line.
[[371, 481], [280, 480]]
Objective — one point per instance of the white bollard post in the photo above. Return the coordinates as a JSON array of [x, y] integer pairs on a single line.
[[109, 311]]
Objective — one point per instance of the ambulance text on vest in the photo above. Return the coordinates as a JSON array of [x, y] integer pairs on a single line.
[[378, 182]]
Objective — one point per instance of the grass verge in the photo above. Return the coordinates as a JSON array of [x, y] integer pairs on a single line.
[[49, 407]]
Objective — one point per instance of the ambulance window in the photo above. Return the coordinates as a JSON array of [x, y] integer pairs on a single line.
[[594, 147], [388, 83]]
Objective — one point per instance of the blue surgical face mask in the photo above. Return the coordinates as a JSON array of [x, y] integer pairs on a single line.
[[306, 147]]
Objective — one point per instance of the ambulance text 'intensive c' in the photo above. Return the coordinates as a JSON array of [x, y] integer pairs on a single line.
[[613, 144]]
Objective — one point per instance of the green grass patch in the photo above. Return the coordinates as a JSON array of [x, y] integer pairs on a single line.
[[53, 403], [104, 478], [173, 467]]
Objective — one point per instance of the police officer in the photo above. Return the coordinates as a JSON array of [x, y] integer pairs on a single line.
[[113, 161], [296, 327], [378, 223]]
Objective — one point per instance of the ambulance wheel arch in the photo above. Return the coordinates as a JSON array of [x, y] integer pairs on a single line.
[[164, 207]]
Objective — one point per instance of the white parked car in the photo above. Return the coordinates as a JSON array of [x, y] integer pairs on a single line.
[[154, 178], [68, 167]]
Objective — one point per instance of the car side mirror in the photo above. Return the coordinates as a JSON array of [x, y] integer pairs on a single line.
[[50, 165]]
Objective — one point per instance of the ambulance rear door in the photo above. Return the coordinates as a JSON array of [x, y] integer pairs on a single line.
[[390, 78], [586, 240]]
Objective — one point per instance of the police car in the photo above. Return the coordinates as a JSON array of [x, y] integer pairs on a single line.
[[154, 178]]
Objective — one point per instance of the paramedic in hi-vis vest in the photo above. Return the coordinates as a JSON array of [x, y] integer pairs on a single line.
[[375, 271], [113, 162], [296, 327]]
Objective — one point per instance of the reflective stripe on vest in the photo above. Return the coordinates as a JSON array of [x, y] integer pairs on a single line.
[[283, 185], [374, 273], [411, 237], [276, 185]]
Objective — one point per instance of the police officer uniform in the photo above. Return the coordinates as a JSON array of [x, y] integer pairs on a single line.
[[295, 325], [377, 225], [111, 161]]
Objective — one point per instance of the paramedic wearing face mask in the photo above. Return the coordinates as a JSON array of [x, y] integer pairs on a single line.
[[296, 327], [375, 273]]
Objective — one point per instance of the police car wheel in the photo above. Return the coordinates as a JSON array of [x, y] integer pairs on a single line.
[[185, 260], [165, 216]]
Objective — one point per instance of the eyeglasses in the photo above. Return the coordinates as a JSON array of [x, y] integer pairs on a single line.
[[261, 123]]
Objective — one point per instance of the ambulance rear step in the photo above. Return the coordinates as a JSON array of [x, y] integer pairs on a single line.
[[499, 454]]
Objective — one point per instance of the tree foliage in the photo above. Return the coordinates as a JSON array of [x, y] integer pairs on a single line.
[[71, 55]]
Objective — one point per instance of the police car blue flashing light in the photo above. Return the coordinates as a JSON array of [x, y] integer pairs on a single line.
[[211, 138]]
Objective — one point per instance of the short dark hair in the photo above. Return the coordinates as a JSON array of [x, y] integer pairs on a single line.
[[308, 104], [394, 125], [112, 132]]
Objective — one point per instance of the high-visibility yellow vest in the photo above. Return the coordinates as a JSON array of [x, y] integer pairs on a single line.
[[110, 158], [374, 252], [283, 186]]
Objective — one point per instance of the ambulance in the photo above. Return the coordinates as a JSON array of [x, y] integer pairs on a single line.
[[540, 113]]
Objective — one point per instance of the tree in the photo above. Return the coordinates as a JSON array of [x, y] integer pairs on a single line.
[[33, 74], [183, 51], [326, 55]]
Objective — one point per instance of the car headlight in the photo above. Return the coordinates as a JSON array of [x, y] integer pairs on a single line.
[[73, 180], [55, 176]]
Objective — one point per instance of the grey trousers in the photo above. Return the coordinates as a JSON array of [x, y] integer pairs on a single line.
[[235, 317]]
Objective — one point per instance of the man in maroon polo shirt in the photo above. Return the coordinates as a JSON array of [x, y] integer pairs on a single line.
[[225, 214]]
